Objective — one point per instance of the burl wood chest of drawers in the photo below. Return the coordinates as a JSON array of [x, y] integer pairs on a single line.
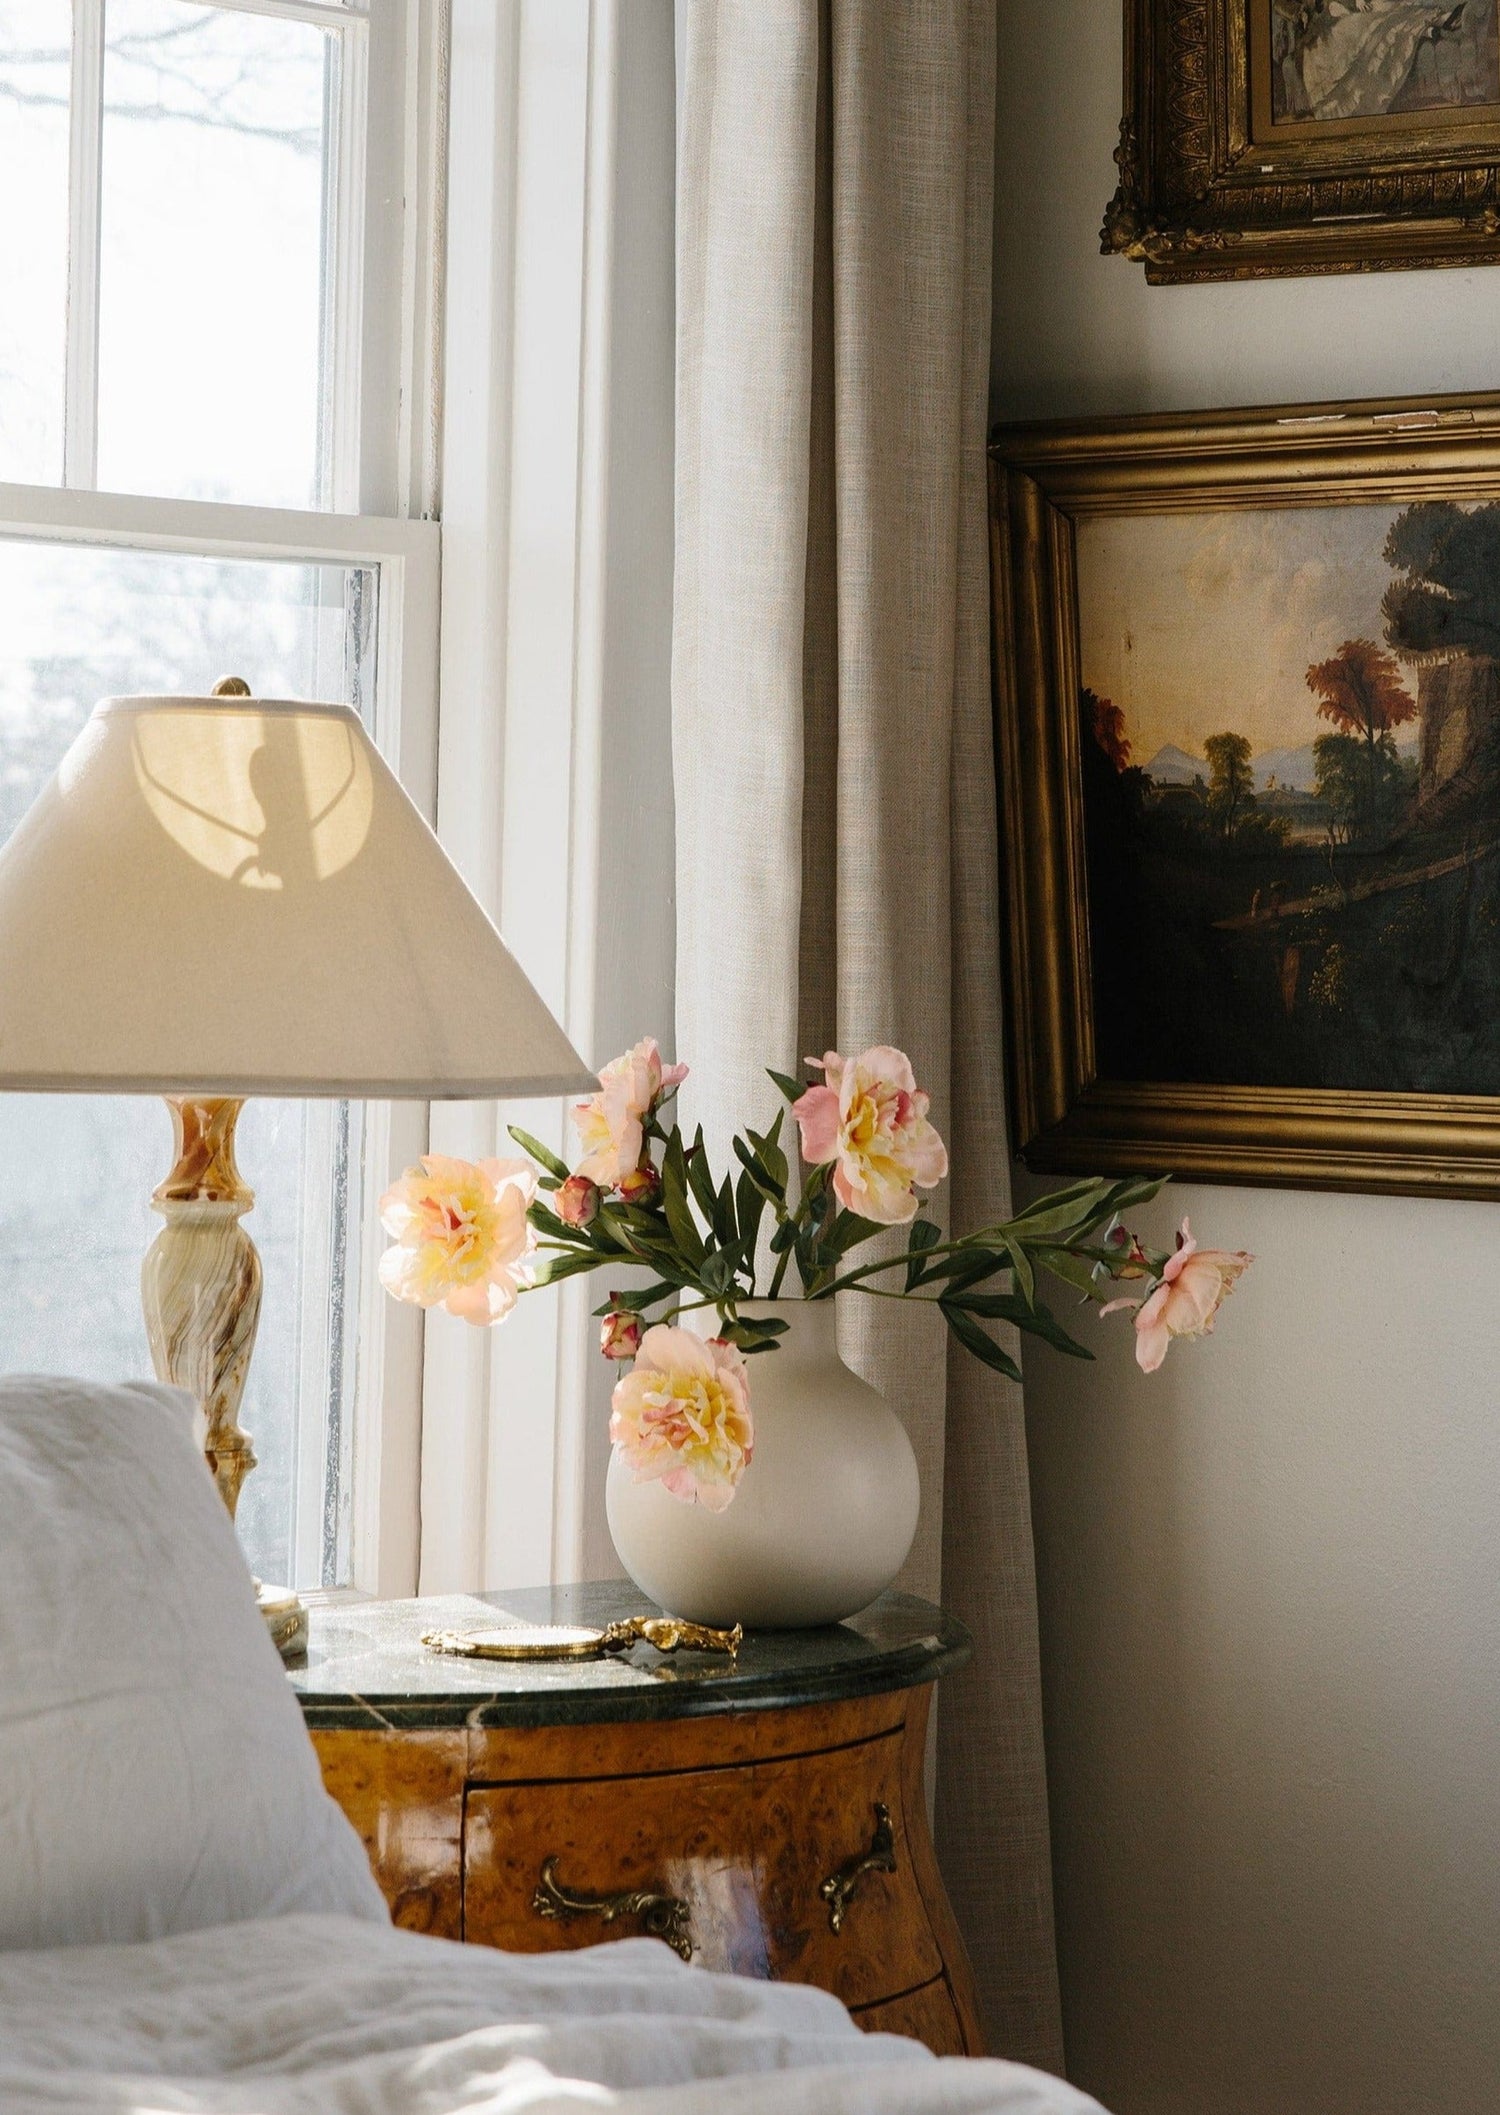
[[763, 1816]]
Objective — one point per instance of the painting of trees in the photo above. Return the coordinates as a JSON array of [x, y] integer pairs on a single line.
[[1447, 600], [1107, 725], [1286, 764], [1360, 813], [1360, 689], [1231, 781]]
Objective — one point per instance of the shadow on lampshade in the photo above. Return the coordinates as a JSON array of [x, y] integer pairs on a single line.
[[235, 896]]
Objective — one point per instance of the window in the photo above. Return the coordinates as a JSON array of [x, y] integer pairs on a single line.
[[215, 239]]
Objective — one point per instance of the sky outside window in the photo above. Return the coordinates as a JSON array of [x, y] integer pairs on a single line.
[[211, 253]]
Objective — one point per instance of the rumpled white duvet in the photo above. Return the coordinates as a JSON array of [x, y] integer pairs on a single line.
[[322, 2013]]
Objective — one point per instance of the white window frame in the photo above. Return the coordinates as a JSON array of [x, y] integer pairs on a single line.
[[383, 205]]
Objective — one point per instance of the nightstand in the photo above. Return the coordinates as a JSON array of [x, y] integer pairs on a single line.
[[763, 1816]]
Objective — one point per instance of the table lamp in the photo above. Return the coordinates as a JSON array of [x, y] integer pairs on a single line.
[[222, 896]]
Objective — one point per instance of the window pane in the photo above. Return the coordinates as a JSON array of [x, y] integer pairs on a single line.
[[211, 368], [34, 60], [77, 1171]]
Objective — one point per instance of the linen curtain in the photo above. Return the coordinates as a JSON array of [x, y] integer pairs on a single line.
[[833, 772]]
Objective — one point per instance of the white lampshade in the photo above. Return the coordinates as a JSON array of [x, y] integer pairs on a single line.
[[234, 896]]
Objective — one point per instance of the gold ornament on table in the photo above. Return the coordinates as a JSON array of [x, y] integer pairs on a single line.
[[583, 1641], [221, 896]]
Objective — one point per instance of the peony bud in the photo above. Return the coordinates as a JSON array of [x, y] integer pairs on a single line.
[[641, 1185], [1134, 1262], [577, 1202], [620, 1334]]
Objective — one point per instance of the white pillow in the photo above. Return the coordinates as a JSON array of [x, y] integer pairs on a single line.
[[155, 1772]]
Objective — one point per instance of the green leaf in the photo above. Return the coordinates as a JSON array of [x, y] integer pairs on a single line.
[[973, 1270], [1025, 1276], [925, 1234], [674, 1200], [1036, 1321], [1138, 1190], [639, 1297], [552, 1268], [783, 1237], [849, 1230], [964, 1266], [750, 1206], [717, 1271], [723, 1213], [1073, 1270], [655, 1246], [974, 1339], [792, 1089], [547, 1222], [700, 1180], [1072, 1194], [751, 1336], [755, 1167], [1069, 1211], [543, 1155], [773, 1156]]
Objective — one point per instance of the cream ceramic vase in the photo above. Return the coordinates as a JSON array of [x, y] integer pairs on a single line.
[[823, 1516]]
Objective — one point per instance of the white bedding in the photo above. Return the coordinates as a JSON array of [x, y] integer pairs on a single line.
[[331, 2014]]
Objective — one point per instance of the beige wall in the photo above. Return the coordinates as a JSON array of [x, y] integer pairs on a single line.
[[1270, 1577]]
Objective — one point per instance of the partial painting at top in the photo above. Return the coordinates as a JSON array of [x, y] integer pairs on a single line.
[[1342, 59], [1290, 742]]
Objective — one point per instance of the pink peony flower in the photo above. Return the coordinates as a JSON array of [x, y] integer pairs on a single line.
[[1194, 1286], [620, 1333], [682, 1416], [461, 1239], [641, 1185], [871, 1118], [610, 1122], [578, 1201]]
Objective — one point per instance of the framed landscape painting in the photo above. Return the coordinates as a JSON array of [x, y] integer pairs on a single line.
[[1263, 137], [1248, 719]]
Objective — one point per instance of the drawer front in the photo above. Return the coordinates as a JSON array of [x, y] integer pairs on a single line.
[[404, 1794], [927, 2015], [841, 1901], [573, 1863]]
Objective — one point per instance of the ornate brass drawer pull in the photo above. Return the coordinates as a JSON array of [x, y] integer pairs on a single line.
[[838, 1889], [662, 1916]]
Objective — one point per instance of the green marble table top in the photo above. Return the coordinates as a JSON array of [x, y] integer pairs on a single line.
[[366, 1664]]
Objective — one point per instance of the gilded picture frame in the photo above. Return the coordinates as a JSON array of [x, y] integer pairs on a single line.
[[1264, 138], [1300, 937]]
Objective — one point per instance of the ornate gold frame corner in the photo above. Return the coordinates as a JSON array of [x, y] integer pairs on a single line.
[[1209, 189], [1043, 480]]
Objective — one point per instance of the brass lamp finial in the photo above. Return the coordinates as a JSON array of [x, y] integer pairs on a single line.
[[231, 687]]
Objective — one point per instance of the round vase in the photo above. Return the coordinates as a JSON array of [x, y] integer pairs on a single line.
[[823, 1516]]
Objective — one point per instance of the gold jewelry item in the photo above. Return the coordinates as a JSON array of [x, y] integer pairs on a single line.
[[580, 1641]]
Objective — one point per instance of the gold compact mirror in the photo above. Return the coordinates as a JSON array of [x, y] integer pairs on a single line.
[[581, 1641]]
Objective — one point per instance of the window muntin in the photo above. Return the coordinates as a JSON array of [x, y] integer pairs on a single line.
[[33, 241]]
